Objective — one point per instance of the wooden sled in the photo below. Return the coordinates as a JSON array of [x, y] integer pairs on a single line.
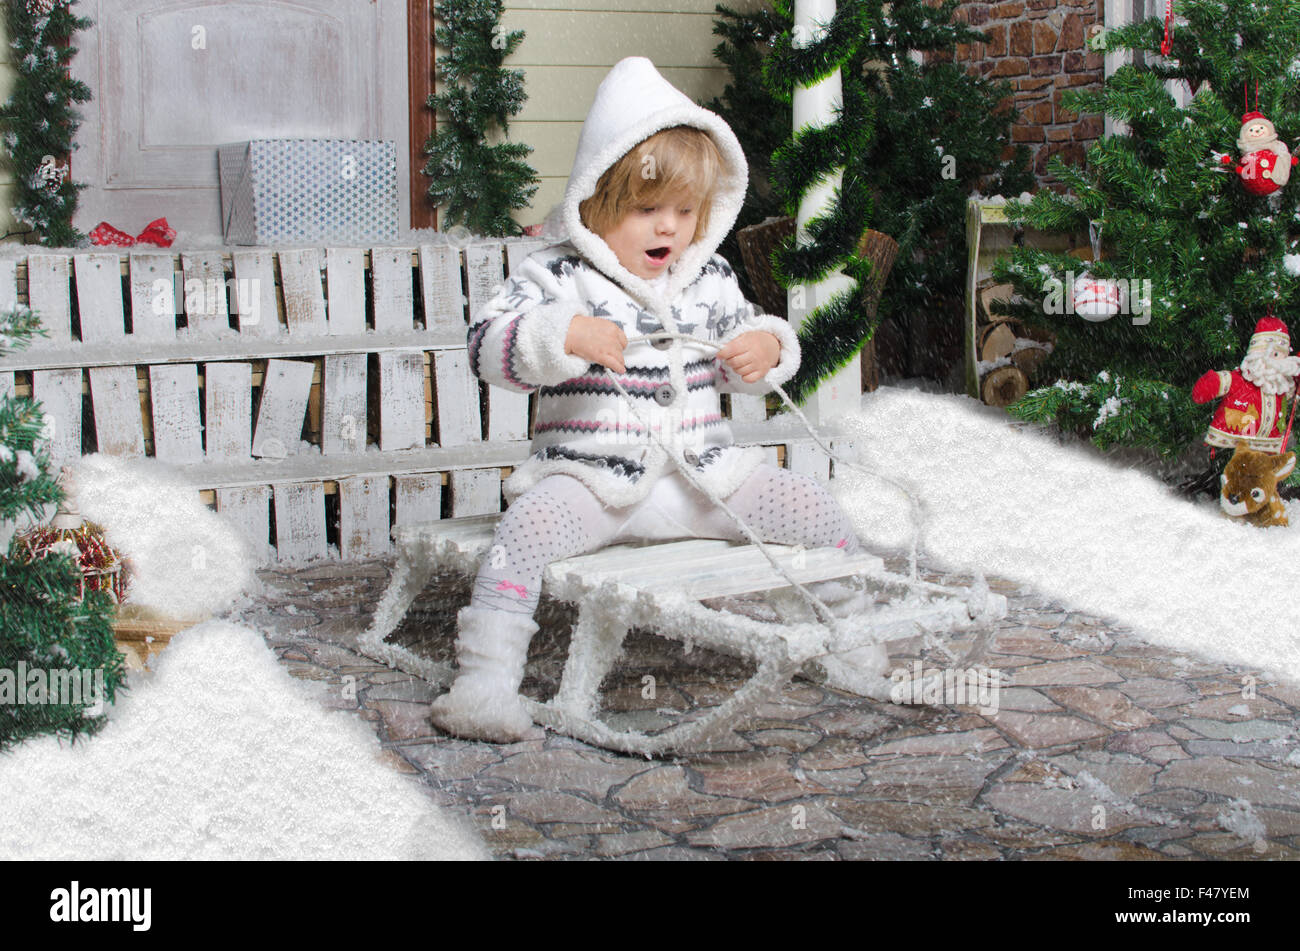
[[659, 587]]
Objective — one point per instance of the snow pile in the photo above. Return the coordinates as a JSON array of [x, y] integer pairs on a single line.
[[185, 559], [220, 755], [1114, 542]]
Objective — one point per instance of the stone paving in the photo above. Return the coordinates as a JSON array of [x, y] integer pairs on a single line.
[[1100, 747]]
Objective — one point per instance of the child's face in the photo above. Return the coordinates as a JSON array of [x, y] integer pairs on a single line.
[[647, 240]]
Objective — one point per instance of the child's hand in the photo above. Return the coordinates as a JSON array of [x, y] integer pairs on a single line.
[[752, 354], [596, 340]]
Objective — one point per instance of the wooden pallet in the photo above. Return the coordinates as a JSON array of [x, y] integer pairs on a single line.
[[316, 397]]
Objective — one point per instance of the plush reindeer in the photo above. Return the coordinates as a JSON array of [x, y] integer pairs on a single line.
[[1250, 486]]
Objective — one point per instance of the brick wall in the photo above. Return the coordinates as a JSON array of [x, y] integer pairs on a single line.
[[1040, 47]]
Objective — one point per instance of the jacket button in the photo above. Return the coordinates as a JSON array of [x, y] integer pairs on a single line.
[[662, 343], [664, 394], [691, 458]]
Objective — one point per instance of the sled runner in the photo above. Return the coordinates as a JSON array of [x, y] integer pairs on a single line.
[[659, 587]]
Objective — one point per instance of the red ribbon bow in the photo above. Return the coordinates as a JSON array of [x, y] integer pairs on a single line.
[[156, 232]]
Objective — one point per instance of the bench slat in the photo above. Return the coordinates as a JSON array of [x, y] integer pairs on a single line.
[[174, 396], [304, 301], [153, 297], [99, 297], [401, 401], [7, 388], [419, 498], [746, 408], [248, 508], [228, 399], [286, 386], [206, 310], [255, 301], [8, 283], [345, 286], [483, 274], [299, 521], [507, 414], [48, 294], [59, 393], [391, 289], [440, 286], [804, 456], [475, 492], [363, 517], [115, 400], [343, 422], [457, 395]]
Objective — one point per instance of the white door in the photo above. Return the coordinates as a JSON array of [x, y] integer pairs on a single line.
[[173, 79]]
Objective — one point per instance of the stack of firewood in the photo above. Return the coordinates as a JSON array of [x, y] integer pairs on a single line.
[[1007, 351]]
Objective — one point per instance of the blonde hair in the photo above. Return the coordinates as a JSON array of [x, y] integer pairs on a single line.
[[679, 160]]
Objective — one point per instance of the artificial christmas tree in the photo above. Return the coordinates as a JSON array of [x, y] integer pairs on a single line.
[[939, 133], [48, 635], [1207, 257], [479, 184]]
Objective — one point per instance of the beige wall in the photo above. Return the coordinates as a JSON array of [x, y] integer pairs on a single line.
[[568, 48]]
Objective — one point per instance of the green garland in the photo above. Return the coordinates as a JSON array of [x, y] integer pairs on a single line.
[[39, 121], [833, 333], [479, 184]]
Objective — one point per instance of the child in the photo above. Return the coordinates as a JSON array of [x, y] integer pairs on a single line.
[[656, 185]]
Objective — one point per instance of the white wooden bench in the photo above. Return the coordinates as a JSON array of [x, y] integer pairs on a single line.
[[317, 397], [660, 588]]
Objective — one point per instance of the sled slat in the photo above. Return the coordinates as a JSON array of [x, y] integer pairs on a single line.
[[59, 393], [419, 498], [228, 406], [304, 301], [153, 296], [345, 285], [609, 561], [50, 296], [99, 297], [483, 274], [458, 411], [392, 291], [286, 386], [401, 400], [363, 516], [444, 303], [206, 310], [299, 521], [248, 508], [115, 399], [475, 492], [343, 423], [174, 396], [254, 296]]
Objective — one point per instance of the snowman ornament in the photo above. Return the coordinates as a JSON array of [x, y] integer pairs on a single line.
[[1265, 160]]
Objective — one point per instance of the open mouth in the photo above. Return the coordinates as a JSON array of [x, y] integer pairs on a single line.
[[658, 254]]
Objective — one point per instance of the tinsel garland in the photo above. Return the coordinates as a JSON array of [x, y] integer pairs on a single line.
[[39, 121], [832, 334]]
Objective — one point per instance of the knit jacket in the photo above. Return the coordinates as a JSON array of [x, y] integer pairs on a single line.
[[583, 427]]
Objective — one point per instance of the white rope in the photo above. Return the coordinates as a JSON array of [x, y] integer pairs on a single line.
[[819, 608]]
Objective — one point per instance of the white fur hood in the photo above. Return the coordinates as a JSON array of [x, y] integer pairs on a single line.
[[632, 104]]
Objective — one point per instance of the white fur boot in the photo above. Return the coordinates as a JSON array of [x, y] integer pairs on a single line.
[[483, 703]]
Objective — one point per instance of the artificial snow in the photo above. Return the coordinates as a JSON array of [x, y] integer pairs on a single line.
[[220, 754], [1010, 500], [185, 560]]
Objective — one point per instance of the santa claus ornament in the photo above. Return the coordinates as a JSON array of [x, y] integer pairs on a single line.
[[1266, 161], [1252, 398]]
